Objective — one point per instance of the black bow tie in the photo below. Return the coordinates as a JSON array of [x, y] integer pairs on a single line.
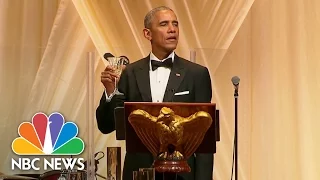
[[166, 63]]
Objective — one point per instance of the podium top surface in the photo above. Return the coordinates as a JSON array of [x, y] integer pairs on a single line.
[[168, 104], [182, 109]]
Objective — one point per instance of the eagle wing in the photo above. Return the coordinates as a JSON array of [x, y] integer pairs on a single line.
[[194, 130], [145, 126]]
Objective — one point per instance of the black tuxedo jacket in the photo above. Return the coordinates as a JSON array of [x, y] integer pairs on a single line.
[[135, 84]]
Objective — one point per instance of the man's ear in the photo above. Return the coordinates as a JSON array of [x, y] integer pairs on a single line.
[[147, 34]]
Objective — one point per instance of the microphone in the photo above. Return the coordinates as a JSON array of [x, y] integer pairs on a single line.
[[235, 81]]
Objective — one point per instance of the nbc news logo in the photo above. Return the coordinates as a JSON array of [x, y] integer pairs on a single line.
[[47, 136]]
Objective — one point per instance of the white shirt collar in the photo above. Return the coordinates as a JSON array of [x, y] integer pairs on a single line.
[[153, 57]]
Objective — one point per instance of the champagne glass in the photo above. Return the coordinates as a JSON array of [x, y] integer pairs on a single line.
[[116, 63], [140, 175], [149, 173]]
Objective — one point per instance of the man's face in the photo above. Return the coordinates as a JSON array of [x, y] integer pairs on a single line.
[[164, 31]]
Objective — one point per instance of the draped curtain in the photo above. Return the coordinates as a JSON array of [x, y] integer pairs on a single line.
[[270, 45]]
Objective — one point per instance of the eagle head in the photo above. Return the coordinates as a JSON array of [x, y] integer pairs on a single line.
[[166, 115]]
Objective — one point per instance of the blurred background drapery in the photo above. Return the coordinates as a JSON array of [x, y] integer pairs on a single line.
[[270, 45]]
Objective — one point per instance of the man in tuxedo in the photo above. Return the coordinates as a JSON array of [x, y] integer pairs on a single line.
[[162, 76]]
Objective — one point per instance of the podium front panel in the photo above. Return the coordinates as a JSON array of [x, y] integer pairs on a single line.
[[135, 145]]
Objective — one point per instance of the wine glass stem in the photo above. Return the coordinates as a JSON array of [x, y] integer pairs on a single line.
[[115, 84]]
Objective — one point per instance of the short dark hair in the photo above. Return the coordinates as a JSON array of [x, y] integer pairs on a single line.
[[149, 16]]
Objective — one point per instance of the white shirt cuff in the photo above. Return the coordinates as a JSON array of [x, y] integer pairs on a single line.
[[108, 98]]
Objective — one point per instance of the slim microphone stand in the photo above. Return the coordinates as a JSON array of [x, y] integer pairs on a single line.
[[236, 131]]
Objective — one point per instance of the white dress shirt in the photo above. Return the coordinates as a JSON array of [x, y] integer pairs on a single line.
[[158, 80]]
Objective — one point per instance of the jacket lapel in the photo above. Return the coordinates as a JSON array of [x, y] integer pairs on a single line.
[[143, 79], [176, 76]]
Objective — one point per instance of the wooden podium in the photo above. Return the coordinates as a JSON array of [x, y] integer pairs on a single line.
[[136, 144]]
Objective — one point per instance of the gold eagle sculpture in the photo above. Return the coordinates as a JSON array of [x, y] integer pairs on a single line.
[[170, 136]]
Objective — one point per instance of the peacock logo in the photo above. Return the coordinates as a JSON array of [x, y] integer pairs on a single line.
[[48, 136]]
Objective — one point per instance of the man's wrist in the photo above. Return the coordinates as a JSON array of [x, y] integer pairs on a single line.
[[108, 98]]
